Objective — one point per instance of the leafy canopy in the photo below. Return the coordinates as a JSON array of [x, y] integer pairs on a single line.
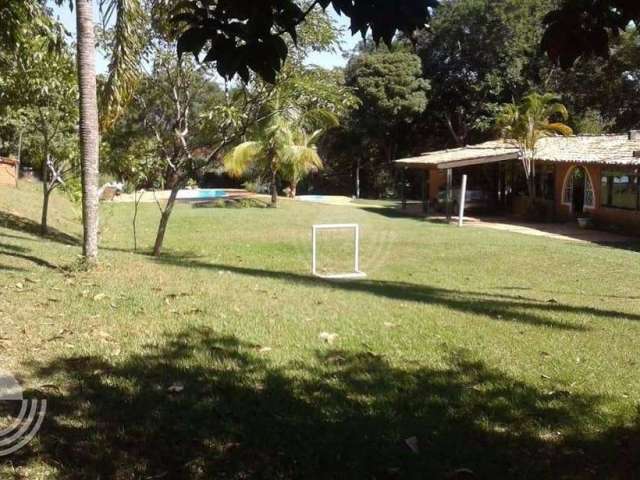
[[585, 28], [389, 85], [240, 36]]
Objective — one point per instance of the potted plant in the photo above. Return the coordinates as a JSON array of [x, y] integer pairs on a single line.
[[584, 221]]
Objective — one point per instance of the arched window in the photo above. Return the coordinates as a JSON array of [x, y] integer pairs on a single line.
[[578, 177]]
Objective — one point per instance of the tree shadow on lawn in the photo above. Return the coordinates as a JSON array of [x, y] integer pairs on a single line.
[[22, 224], [506, 308], [346, 416], [22, 253]]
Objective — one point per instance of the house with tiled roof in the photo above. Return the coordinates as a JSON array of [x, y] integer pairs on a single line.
[[595, 176]]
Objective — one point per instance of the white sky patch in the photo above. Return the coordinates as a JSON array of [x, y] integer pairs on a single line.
[[322, 59]]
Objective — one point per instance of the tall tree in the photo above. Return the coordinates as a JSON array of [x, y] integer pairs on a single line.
[[126, 48], [392, 95], [478, 54], [89, 127], [39, 82]]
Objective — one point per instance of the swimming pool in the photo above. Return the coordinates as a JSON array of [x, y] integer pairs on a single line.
[[202, 194]]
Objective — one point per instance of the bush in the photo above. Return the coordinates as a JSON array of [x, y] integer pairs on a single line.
[[232, 203]]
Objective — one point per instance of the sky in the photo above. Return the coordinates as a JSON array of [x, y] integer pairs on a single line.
[[324, 59]]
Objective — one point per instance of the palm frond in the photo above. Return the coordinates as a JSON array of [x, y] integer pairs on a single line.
[[321, 118], [240, 160], [558, 109], [127, 47], [299, 161], [314, 137], [559, 129]]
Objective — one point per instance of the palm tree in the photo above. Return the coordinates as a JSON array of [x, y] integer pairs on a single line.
[[524, 124], [301, 159], [89, 127], [127, 47], [281, 149]]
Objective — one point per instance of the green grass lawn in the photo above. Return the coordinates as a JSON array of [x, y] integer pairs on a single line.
[[509, 355]]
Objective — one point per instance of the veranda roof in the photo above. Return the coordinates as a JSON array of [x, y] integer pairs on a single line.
[[586, 149], [494, 151]]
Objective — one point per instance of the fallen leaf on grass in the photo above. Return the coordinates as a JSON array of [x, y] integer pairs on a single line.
[[99, 296], [59, 335], [265, 349], [328, 337], [390, 325]]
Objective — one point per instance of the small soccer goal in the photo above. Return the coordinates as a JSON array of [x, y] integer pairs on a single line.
[[356, 273]]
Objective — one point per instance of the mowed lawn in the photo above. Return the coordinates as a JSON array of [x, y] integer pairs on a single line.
[[507, 355]]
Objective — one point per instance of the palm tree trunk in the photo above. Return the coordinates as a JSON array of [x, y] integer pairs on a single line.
[[89, 128], [274, 187]]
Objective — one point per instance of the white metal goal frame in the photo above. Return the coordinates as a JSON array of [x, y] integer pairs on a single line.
[[356, 261]]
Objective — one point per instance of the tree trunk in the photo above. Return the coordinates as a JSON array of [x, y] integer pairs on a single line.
[[531, 182], [274, 187], [20, 147], [89, 128], [44, 227], [358, 177], [293, 189], [164, 219], [460, 141], [44, 230]]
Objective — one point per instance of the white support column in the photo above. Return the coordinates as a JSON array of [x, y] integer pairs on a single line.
[[462, 201]]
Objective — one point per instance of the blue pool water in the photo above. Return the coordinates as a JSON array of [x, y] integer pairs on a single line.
[[311, 198], [202, 194]]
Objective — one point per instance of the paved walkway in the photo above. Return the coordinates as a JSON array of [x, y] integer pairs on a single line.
[[560, 231]]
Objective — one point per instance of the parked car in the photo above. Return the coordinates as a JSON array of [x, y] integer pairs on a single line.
[[474, 200]]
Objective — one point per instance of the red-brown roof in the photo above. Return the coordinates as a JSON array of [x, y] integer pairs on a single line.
[[9, 161]]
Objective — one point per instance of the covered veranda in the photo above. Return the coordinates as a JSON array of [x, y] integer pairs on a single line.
[[489, 167]]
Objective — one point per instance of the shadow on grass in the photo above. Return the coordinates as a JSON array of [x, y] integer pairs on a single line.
[[397, 212], [505, 308], [22, 224], [347, 415], [16, 251]]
